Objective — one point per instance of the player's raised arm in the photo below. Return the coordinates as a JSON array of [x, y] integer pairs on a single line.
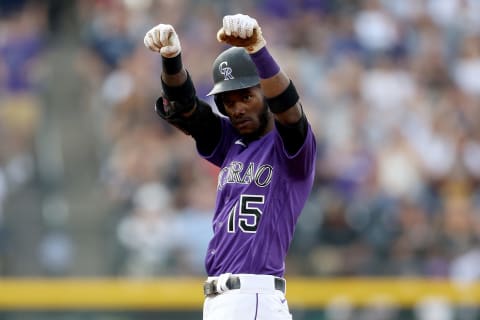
[[178, 103], [176, 83], [163, 39], [244, 31]]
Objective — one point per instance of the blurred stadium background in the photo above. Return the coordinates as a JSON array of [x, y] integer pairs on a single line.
[[105, 210]]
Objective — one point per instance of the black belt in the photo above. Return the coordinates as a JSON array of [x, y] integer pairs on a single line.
[[233, 282]]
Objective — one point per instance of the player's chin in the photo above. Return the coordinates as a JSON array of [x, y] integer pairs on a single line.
[[250, 135], [246, 127]]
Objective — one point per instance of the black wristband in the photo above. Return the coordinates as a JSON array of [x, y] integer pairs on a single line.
[[285, 100], [172, 65]]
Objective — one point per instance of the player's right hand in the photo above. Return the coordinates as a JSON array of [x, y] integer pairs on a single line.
[[163, 38]]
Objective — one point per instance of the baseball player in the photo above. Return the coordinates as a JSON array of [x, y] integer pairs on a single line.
[[266, 152]]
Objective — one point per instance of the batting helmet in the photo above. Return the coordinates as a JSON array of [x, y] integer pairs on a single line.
[[232, 70]]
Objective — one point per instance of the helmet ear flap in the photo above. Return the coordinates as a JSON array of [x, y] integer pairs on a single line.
[[219, 102]]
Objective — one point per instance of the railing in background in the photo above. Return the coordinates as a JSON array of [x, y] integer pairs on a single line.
[[186, 293]]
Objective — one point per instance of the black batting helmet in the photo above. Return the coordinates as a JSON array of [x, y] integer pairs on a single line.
[[232, 70]]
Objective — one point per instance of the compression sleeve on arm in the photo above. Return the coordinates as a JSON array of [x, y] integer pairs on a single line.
[[202, 124], [180, 107], [293, 136], [181, 98]]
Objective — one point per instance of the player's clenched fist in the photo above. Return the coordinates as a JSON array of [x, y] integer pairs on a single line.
[[163, 38], [241, 30]]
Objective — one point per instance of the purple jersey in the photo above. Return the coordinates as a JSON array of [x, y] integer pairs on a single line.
[[261, 192]]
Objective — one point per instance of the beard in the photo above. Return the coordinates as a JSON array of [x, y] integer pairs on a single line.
[[264, 118]]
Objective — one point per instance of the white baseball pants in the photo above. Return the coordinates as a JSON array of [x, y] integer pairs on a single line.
[[256, 299]]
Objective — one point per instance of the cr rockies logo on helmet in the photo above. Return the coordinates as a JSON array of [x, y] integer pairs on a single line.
[[225, 70]]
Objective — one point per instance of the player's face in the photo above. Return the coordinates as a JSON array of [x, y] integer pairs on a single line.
[[247, 111]]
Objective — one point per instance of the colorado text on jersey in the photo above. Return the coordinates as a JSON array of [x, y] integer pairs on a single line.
[[237, 172]]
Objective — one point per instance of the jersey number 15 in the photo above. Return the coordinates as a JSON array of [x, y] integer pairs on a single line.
[[248, 214]]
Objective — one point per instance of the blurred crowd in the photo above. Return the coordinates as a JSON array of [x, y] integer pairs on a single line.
[[22, 44], [391, 88]]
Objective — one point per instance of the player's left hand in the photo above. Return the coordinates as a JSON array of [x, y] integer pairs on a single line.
[[240, 30]]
